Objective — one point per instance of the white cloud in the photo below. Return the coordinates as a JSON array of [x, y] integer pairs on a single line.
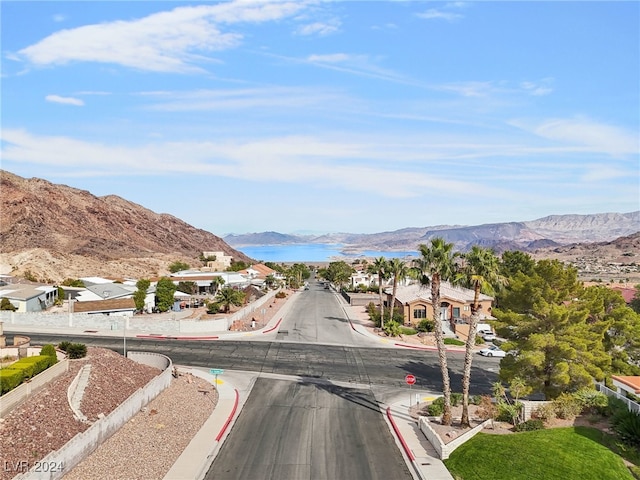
[[64, 100], [295, 159], [439, 14], [593, 136], [329, 58], [59, 18], [170, 41], [319, 28], [540, 88]]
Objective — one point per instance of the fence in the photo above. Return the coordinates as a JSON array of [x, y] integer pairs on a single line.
[[631, 405]]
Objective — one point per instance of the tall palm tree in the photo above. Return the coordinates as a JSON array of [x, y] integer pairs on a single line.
[[398, 271], [437, 264], [481, 273], [379, 267]]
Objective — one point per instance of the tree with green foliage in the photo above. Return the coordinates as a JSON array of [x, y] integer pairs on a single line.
[[207, 259], [73, 282], [296, 274], [226, 297], [437, 264], [635, 301], [480, 272], [188, 287], [165, 289], [237, 265], [557, 342], [270, 281], [515, 261], [140, 295], [178, 266], [5, 304], [339, 273], [216, 283], [398, 271], [379, 268]]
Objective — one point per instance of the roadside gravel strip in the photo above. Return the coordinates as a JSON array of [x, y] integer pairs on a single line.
[[147, 446]]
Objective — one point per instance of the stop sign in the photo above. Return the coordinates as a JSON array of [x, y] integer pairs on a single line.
[[410, 379]]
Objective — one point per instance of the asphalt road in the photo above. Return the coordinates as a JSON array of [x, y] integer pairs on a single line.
[[313, 428], [292, 430]]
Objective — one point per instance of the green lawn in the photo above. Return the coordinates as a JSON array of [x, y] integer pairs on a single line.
[[553, 454]]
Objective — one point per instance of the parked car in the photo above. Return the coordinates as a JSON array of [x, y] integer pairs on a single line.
[[492, 351], [488, 336]]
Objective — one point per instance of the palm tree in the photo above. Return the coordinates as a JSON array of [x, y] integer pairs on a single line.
[[379, 267], [398, 271], [228, 296], [438, 264], [481, 273]]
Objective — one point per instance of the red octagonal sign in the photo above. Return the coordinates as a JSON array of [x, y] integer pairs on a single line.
[[410, 379]]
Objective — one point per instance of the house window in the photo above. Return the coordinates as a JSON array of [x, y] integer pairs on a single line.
[[456, 312], [420, 313]]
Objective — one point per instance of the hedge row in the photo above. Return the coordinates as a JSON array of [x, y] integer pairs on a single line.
[[23, 369]]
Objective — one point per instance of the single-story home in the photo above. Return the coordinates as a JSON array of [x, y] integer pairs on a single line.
[[455, 303], [114, 306], [28, 297]]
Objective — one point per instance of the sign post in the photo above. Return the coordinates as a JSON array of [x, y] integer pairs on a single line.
[[216, 372], [410, 379]]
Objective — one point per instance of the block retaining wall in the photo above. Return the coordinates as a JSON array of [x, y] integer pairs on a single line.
[[80, 446]]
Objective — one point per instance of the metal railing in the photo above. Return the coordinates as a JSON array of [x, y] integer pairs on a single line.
[[631, 405]]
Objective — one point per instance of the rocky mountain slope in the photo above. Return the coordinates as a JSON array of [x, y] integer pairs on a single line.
[[56, 231]]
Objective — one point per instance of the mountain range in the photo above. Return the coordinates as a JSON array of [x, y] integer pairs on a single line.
[[551, 231], [54, 232]]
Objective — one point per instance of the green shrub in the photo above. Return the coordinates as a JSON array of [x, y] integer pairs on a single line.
[[453, 341], [426, 325], [475, 399], [213, 307], [627, 425], [34, 365], [456, 399], [10, 378], [50, 351], [509, 412], [529, 425], [567, 406], [77, 350], [64, 345], [435, 409], [591, 399], [392, 329], [479, 340]]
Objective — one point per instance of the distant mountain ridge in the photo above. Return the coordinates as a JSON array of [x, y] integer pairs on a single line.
[[551, 231]]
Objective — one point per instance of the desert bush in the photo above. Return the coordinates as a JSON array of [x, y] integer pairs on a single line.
[[591, 400], [436, 408], [425, 325], [530, 425], [456, 399], [567, 406], [77, 350], [487, 409], [281, 294], [545, 412], [509, 412], [64, 345], [392, 329], [213, 307]]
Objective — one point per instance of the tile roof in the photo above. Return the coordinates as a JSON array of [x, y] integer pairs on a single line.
[[447, 291], [112, 305]]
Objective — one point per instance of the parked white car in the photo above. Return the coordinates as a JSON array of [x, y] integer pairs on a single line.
[[488, 336], [492, 351]]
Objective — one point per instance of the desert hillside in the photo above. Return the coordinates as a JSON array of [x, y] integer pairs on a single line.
[[56, 232]]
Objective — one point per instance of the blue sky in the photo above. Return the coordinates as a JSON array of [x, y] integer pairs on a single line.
[[328, 116]]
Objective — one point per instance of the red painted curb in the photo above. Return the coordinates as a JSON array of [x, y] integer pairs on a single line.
[[197, 338], [273, 328], [233, 412], [400, 437]]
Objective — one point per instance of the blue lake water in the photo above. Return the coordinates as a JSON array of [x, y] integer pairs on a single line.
[[313, 252]]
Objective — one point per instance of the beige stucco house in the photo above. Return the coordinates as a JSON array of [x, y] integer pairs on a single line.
[[455, 303]]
